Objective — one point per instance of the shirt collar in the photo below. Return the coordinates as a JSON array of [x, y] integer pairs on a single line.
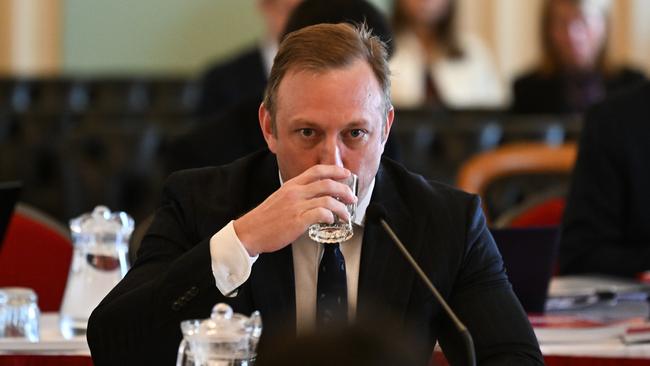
[[268, 48], [362, 204]]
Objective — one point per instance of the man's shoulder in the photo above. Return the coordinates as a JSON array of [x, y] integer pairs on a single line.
[[237, 173], [416, 190]]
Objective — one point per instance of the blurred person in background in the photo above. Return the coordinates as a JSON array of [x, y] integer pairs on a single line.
[[436, 66], [606, 226], [574, 72], [227, 83]]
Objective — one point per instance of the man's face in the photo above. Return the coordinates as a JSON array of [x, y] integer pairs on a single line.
[[335, 117]]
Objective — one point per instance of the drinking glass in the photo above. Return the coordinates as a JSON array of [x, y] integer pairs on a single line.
[[19, 313], [340, 230]]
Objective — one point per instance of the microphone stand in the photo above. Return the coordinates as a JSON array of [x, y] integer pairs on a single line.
[[467, 337]]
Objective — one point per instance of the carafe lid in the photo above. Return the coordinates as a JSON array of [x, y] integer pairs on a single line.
[[224, 325], [102, 221]]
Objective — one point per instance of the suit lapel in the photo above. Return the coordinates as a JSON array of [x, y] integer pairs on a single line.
[[385, 277], [273, 291]]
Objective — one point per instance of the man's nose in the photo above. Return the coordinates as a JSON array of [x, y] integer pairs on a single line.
[[330, 152]]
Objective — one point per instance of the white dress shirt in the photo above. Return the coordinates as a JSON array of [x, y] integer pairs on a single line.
[[231, 265]]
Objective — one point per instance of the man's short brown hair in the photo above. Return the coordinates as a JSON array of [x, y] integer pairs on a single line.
[[323, 47]]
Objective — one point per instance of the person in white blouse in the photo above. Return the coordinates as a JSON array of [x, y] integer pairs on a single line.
[[435, 66]]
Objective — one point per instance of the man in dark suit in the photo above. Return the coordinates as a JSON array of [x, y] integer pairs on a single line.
[[237, 233], [232, 81], [606, 226]]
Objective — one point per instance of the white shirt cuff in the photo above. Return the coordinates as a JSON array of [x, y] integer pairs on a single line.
[[231, 263]]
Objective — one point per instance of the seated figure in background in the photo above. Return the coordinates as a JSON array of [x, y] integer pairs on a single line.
[[225, 84], [434, 65], [574, 72], [606, 226]]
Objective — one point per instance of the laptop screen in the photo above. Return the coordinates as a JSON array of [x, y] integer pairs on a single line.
[[9, 192], [529, 257]]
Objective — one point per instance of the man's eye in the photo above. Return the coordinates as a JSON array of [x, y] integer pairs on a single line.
[[306, 132], [357, 132]]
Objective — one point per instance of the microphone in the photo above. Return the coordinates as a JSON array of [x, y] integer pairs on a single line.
[[376, 212]]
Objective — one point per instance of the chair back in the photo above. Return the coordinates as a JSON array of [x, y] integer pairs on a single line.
[[36, 253], [541, 210], [529, 160], [529, 258]]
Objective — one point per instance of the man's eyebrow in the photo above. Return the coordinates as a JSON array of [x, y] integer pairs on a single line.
[[359, 123], [309, 123], [303, 122]]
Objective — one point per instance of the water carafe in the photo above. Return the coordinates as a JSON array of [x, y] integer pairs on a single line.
[[99, 262], [225, 339]]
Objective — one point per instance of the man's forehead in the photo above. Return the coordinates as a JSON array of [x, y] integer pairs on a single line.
[[313, 71], [320, 68], [329, 87]]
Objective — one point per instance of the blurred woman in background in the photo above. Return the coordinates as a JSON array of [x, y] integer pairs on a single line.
[[434, 65], [574, 72]]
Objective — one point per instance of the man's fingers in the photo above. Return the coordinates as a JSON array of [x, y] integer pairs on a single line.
[[319, 215], [328, 187], [319, 172], [330, 204]]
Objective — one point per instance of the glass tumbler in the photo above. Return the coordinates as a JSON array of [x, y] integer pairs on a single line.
[[340, 230], [19, 313]]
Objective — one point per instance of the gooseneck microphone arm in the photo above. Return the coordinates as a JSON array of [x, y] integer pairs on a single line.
[[378, 213]]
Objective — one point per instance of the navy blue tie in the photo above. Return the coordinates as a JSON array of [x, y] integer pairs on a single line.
[[332, 288]]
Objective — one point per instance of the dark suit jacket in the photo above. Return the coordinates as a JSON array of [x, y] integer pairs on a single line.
[[536, 93], [606, 224], [226, 84], [444, 228]]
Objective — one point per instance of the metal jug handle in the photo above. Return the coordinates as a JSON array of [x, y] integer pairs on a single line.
[[180, 359]]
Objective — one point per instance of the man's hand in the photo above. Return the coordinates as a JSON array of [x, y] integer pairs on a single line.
[[304, 200]]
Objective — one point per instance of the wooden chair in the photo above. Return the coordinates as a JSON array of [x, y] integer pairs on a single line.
[[521, 159], [36, 253]]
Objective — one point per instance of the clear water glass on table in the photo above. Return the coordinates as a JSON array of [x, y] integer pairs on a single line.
[[19, 313], [340, 230]]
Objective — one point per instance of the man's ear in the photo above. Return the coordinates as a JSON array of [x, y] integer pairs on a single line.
[[267, 127], [390, 116]]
